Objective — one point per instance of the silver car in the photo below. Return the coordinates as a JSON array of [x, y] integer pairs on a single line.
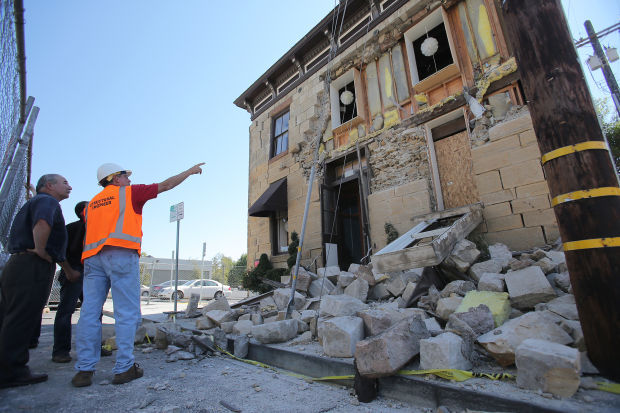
[[206, 288]]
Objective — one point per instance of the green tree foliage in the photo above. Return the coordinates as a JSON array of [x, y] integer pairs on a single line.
[[292, 251], [390, 231], [238, 271], [610, 124], [264, 269], [220, 267]]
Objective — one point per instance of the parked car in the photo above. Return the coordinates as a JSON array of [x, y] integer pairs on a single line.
[[206, 288], [156, 289], [144, 290]]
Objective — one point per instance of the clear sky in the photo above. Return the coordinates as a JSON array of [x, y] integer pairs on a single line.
[[150, 84]]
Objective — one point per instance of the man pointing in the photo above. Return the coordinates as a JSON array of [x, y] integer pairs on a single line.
[[111, 260]]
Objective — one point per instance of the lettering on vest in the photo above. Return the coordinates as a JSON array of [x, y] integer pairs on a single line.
[[102, 202]]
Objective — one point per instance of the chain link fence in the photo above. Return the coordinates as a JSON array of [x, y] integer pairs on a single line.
[[13, 148]]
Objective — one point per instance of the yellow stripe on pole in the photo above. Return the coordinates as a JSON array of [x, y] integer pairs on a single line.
[[592, 243], [586, 193], [583, 146]]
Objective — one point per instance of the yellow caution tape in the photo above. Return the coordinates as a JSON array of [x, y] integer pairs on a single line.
[[457, 375], [608, 386], [591, 243], [147, 338], [583, 146], [587, 193]]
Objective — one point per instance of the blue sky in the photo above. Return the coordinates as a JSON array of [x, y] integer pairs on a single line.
[[150, 84]]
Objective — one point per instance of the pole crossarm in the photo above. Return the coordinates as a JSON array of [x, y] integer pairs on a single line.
[[584, 41]]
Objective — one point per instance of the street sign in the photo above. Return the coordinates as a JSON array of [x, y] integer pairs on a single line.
[[176, 212]]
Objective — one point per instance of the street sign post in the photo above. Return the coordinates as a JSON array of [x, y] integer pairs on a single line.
[[176, 214]]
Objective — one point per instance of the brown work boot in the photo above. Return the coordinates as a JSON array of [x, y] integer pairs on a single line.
[[61, 358], [83, 378], [134, 372]]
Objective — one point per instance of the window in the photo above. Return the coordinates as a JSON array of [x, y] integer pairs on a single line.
[[476, 26], [344, 95], [279, 227], [280, 134], [347, 107]]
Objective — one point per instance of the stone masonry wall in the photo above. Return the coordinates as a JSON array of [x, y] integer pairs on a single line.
[[512, 187]]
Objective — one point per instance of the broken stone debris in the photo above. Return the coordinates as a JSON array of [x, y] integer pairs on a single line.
[[528, 287], [339, 335], [444, 351]]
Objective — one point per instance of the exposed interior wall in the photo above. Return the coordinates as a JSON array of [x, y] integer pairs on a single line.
[[510, 180]]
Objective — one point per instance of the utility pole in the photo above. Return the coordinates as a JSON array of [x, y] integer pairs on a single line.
[[581, 178], [607, 73]]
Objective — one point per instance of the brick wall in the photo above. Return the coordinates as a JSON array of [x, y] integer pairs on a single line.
[[512, 187]]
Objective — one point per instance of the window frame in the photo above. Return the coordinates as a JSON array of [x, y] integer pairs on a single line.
[[276, 220], [274, 137]]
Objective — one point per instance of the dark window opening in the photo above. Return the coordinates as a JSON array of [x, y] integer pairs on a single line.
[[280, 134], [427, 65], [348, 108], [279, 231]]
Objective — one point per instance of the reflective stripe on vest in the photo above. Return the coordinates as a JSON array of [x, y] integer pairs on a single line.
[[118, 229]]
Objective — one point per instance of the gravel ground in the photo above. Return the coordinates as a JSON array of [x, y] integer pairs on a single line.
[[197, 385]]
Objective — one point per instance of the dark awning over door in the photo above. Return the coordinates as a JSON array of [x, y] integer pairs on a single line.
[[273, 199]]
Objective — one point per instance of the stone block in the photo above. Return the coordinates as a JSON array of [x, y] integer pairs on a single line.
[[480, 319], [522, 173], [492, 198], [504, 223], [433, 326], [267, 305], [535, 203], [528, 287], [242, 328], [275, 332], [341, 305], [519, 238], [339, 335], [365, 272], [398, 281], [530, 190], [492, 282], [388, 352], [562, 280], [573, 327], [507, 143], [478, 269], [358, 289], [488, 182], [548, 367], [320, 287], [331, 273], [500, 253], [216, 304], [257, 318], [379, 292], [345, 278], [498, 303], [204, 323], [444, 351], [408, 293], [500, 160], [497, 210], [539, 218], [463, 255], [303, 282], [528, 137], [563, 306], [241, 346], [511, 127], [546, 265], [377, 320], [446, 306], [281, 296], [227, 326], [458, 287], [221, 316], [502, 342]]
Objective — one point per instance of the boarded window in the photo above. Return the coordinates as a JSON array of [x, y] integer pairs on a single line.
[[385, 80], [374, 103], [400, 76], [477, 30]]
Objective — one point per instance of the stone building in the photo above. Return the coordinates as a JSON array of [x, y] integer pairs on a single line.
[[418, 107]]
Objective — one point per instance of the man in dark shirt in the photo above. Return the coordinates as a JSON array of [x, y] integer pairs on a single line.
[[38, 240], [69, 291]]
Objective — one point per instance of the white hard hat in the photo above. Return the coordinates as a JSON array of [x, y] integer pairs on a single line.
[[108, 170]]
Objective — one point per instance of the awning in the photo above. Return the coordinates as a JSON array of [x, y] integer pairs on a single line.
[[272, 200]]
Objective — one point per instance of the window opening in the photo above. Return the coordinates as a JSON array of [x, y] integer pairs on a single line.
[[280, 134], [280, 232], [346, 97], [428, 65]]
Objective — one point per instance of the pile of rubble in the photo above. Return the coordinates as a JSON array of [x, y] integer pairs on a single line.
[[464, 314]]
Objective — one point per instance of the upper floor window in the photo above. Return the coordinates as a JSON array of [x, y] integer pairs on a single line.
[[280, 134], [346, 100]]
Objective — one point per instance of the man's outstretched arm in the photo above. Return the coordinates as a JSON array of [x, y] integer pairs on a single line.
[[177, 179]]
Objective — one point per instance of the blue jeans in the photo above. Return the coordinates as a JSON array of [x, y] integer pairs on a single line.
[[119, 269], [69, 294]]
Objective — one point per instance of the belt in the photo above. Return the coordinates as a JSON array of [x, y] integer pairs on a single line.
[[24, 253]]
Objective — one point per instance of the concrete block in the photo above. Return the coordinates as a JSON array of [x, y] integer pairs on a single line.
[[341, 305], [497, 302], [478, 269], [528, 287], [446, 306], [548, 367], [443, 352], [275, 332], [385, 354], [492, 282], [463, 255], [339, 335], [358, 289], [502, 342], [538, 202]]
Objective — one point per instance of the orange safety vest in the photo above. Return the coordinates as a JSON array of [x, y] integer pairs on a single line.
[[111, 220]]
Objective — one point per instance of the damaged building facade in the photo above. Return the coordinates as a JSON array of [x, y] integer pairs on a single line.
[[418, 108]]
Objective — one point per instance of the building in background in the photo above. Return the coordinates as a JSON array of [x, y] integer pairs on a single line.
[[424, 112], [164, 269]]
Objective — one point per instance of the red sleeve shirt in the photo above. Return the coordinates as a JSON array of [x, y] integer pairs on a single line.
[[140, 194]]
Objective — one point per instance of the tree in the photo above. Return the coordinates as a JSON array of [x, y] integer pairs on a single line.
[[610, 124], [238, 270], [252, 279], [220, 266]]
